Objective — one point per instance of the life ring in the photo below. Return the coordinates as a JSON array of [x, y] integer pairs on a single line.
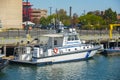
[[55, 50]]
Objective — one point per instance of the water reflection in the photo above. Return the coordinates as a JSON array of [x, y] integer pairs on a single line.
[[97, 68], [65, 71]]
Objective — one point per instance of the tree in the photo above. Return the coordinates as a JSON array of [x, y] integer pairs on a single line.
[[75, 19], [61, 14], [51, 17], [36, 20], [97, 12], [91, 20], [44, 21], [110, 16]]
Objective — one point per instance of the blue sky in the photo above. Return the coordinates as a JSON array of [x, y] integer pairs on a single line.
[[78, 6]]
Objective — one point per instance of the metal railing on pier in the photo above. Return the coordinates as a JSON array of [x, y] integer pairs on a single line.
[[18, 35]]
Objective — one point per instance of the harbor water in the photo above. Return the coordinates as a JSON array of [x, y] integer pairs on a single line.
[[97, 68]]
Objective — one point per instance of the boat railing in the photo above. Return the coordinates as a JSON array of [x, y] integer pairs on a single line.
[[70, 30]]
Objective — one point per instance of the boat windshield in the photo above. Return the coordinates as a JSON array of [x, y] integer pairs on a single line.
[[72, 37]]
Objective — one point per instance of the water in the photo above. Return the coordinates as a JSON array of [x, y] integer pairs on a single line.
[[97, 68]]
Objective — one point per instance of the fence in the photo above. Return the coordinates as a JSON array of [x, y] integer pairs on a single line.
[[33, 33]]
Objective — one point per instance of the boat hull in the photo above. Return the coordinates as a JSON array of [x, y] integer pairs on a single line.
[[60, 58]]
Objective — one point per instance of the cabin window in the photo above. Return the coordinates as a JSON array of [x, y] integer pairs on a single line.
[[55, 42], [76, 37], [72, 37], [69, 38]]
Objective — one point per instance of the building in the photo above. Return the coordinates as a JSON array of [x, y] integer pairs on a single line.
[[38, 13], [11, 14], [30, 13], [27, 11]]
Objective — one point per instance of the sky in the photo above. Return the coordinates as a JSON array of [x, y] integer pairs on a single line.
[[78, 6]]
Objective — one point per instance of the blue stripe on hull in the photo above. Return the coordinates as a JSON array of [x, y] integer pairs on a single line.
[[88, 53]]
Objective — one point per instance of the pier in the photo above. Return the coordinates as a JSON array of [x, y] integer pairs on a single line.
[[11, 39]]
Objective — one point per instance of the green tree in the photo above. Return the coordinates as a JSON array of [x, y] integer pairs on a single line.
[[44, 21], [50, 18], [92, 21], [110, 16]]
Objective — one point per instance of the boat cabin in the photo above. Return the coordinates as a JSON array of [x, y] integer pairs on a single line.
[[62, 39]]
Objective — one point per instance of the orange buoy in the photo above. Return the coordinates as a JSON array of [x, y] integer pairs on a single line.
[[55, 50], [30, 28]]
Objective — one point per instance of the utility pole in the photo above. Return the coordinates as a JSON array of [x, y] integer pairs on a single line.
[[57, 12], [84, 12]]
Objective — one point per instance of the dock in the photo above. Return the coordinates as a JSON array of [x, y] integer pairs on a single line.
[[10, 42]]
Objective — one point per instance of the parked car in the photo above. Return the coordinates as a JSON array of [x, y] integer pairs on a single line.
[[37, 26]]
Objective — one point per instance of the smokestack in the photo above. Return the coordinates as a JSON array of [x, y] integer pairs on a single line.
[[70, 11]]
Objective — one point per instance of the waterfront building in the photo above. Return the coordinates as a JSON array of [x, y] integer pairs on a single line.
[[10, 14], [38, 13], [30, 13]]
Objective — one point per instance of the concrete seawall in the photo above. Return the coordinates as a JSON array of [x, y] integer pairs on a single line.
[[14, 40]]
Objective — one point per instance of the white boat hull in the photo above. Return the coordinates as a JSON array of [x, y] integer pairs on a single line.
[[60, 58], [67, 57]]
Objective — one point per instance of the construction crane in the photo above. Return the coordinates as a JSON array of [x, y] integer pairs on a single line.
[[111, 29]]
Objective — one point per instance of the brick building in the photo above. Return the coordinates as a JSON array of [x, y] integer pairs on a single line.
[[38, 13]]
